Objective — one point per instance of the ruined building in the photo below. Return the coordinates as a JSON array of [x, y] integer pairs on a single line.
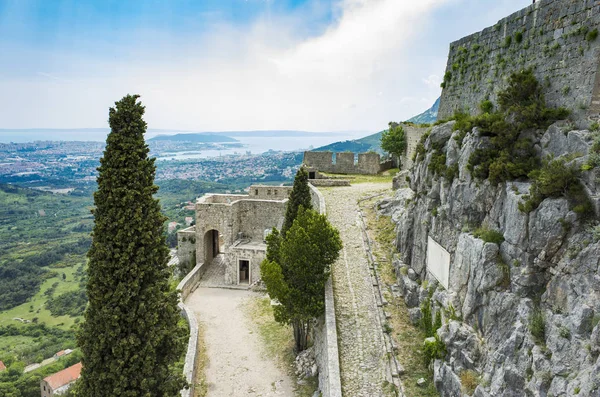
[[230, 231]]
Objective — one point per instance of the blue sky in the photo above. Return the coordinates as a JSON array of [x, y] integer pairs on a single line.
[[319, 65]]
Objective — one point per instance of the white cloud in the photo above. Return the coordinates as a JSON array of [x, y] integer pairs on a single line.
[[356, 75]]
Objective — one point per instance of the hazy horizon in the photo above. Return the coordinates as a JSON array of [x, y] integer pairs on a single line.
[[311, 65]]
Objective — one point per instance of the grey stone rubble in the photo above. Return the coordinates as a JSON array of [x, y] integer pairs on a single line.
[[549, 261], [361, 345], [306, 364]]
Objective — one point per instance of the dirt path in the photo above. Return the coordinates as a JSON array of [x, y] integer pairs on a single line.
[[237, 366], [362, 349]]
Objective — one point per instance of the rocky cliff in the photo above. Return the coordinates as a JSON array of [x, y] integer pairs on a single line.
[[520, 316]]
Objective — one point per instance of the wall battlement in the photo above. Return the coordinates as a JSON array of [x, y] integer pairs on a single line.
[[553, 37], [368, 163]]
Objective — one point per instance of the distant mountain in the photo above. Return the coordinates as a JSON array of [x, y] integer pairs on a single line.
[[200, 137], [275, 134], [373, 142], [429, 116]]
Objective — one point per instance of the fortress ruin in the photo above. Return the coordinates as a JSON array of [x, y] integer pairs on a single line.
[[230, 231], [557, 39], [343, 163]]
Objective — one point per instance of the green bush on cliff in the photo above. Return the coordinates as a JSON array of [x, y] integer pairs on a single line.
[[556, 179], [509, 155]]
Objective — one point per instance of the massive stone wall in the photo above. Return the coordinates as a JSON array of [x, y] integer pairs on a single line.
[[413, 134], [186, 248], [368, 163], [556, 38]]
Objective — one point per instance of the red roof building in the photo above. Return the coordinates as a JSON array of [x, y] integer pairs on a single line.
[[59, 382], [2, 366]]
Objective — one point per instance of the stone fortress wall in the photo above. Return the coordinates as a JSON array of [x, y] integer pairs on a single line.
[[186, 247], [556, 38], [368, 163], [413, 134]]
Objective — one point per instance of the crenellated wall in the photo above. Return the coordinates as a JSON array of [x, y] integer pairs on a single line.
[[554, 37], [367, 164]]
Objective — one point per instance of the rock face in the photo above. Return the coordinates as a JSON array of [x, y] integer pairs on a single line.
[[523, 314]]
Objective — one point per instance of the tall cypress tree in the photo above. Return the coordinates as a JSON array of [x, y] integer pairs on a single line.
[[130, 338], [300, 196]]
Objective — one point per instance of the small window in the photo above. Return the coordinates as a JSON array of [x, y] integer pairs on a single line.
[[256, 192], [275, 192], [268, 192]]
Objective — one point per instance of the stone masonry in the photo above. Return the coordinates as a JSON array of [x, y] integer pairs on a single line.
[[556, 38], [368, 163], [232, 227], [413, 134]]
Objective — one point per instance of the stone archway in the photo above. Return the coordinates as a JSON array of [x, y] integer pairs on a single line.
[[213, 245]]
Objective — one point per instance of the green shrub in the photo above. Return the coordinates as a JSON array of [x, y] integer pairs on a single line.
[[489, 235], [486, 106], [426, 321], [433, 350], [437, 165], [507, 41], [592, 35], [564, 332], [451, 172], [537, 325], [556, 179], [519, 37]]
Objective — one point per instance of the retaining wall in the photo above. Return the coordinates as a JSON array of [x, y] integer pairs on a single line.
[[325, 332], [187, 286], [553, 37]]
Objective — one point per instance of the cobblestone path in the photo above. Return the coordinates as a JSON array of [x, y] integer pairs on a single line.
[[360, 340]]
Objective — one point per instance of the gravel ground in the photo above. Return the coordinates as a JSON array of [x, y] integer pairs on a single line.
[[360, 339], [237, 366]]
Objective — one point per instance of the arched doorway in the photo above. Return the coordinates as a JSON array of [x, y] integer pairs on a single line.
[[213, 245]]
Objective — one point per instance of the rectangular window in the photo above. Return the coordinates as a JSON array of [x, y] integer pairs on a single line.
[[256, 192], [275, 192], [268, 192]]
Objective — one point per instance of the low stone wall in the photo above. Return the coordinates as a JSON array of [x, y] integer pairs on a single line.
[[187, 286], [330, 182], [325, 333]]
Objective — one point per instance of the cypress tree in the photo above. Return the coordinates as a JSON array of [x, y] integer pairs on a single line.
[[130, 338], [300, 196]]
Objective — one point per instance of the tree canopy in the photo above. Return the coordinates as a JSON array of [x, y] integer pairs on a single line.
[[393, 140], [130, 339], [296, 270], [300, 196]]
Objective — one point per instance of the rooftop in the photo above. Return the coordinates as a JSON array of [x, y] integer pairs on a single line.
[[64, 377]]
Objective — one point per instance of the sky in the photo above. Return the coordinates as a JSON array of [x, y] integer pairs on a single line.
[[219, 65]]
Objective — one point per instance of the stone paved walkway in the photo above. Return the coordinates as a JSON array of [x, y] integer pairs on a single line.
[[360, 339], [214, 276]]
